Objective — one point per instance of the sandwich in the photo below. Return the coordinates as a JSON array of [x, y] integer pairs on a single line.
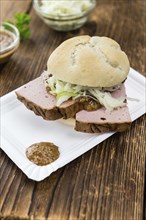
[[84, 81]]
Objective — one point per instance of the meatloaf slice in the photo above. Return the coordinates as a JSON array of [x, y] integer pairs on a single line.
[[36, 98], [103, 120]]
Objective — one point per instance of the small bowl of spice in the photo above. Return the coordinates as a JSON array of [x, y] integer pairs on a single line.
[[9, 41], [64, 15]]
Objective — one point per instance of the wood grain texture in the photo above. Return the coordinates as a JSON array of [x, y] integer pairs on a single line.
[[10, 7], [105, 183]]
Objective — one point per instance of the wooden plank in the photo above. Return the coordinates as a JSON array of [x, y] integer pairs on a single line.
[[10, 7], [108, 181], [107, 185]]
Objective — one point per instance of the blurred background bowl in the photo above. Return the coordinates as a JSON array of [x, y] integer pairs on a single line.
[[9, 49], [64, 18]]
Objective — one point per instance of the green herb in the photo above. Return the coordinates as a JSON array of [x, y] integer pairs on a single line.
[[22, 21]]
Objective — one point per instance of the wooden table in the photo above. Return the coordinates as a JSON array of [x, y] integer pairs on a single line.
[[108, 181]]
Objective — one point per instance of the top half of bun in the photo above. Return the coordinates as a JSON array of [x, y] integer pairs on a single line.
[[89, 61]]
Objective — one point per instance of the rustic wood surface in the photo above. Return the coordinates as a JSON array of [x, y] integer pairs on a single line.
[[108, 181]]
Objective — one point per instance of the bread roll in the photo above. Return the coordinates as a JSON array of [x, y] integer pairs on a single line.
[[89, 61], [69, 121]]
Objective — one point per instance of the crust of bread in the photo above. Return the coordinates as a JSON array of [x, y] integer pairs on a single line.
[[89, 61], [71, 122]]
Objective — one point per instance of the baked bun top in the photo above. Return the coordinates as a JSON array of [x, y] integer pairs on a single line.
[[89, 61]]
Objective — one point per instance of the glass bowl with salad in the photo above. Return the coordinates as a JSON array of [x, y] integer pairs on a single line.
[[64, 15]]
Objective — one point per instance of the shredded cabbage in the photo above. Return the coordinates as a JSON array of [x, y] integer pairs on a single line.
[[65, 7], [64, 91]]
